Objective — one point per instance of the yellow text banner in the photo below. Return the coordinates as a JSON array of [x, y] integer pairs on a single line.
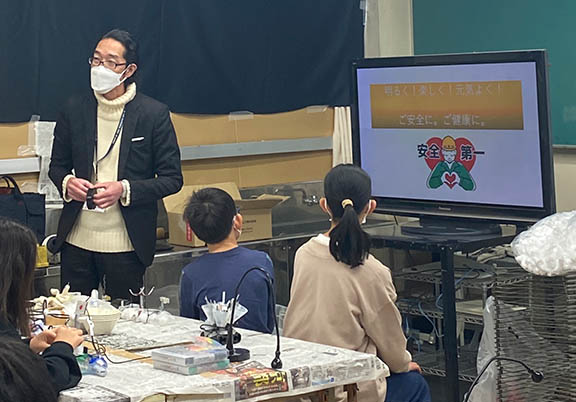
[[470, 105]]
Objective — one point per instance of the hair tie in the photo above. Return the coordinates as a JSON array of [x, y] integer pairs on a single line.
[[347, 202]]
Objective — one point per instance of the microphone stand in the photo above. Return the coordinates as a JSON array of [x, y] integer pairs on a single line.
[[537, 376], [240, 354]]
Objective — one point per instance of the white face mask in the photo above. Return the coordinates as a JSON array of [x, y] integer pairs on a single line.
[[104, 80]]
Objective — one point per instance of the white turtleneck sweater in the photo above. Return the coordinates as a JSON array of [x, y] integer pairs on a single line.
[[105, 231]]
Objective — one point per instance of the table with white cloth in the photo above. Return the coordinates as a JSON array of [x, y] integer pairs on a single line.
[[308, 368]]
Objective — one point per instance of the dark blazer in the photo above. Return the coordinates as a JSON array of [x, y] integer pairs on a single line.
[[152, 165], [63, 369]]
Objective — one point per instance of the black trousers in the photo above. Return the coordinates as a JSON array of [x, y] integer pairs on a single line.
[[86, 270]]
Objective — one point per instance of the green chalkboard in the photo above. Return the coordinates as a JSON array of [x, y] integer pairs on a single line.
[[457, 26]]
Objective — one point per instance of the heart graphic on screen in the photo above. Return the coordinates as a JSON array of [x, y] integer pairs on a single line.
[[450, 179]]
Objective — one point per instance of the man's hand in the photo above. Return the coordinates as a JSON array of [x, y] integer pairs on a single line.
[[76, 188], [42, 341], [110, 195], [413, 366], [71, 336]]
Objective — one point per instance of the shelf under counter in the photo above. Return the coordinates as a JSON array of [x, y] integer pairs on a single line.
[[481, 276], [433, 363], [470, 311]]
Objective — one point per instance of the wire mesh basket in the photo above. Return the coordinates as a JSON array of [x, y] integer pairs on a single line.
[[536, 323]]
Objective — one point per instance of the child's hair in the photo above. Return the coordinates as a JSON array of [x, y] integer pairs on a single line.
[[17, 263], [348, 189], [210, 214], [23, 374]]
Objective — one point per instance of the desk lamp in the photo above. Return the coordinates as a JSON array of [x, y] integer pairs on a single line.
[[240, 354], [536, 376]]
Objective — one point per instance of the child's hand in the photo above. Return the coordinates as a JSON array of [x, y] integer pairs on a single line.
[[413, 366], [71, 336], [42, 341]]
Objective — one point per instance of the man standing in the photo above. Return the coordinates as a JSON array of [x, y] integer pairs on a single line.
[[115, 154]]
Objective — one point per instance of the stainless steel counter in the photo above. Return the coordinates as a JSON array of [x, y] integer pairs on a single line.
[[293, 222], [164, 273]]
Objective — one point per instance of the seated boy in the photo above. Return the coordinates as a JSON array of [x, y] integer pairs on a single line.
[[212, 216]]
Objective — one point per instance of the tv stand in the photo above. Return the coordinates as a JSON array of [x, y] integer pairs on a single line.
[[393, 236], [449, 228]]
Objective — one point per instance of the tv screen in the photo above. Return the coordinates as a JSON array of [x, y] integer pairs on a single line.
[[463, 135]]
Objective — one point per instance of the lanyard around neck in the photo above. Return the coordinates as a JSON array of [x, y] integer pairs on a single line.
[[114, 139]]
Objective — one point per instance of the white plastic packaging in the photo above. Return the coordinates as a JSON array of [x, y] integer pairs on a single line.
[[485, 390], [133, 312], [549, 247], [218, 314]]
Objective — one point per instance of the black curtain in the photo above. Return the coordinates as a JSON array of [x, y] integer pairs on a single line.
[[197, 56]]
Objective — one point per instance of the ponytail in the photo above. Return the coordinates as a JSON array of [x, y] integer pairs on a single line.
[[348, 242], [348, 189]]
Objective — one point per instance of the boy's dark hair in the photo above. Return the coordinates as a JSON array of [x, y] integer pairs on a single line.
[[210, 214], [17, 264], [23, 374], [348, 242], [130, 48]]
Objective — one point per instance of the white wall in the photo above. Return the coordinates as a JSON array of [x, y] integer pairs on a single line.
[[390, 33], [389, 28], [396, 33], [565, 176]]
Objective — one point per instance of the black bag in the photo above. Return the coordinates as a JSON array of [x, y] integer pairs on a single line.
[[26, 208]]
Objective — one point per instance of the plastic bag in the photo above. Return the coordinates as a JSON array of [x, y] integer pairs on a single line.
[[485, 390], [218, 314], [549, 247]]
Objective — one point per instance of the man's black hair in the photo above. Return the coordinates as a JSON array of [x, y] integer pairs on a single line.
[[210, 214], [130, 48]]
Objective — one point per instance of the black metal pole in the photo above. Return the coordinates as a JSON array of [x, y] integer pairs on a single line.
[[449, 308]]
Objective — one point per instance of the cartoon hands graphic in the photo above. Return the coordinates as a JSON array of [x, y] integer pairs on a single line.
[[450, 161], [450, 179]]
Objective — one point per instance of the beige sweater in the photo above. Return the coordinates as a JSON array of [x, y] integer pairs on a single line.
[[105, 232], [332, 304]]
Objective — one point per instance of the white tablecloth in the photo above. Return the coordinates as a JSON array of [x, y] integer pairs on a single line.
[[308, 366]]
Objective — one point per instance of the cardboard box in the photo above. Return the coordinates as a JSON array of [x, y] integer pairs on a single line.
[[12, 135], [260, 170], [309, 122], [213, 129], [287, 125], [257, 214]]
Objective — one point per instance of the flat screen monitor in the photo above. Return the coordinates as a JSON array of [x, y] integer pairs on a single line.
[[461, 136]]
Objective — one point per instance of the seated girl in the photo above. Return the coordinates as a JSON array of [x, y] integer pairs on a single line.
[[17, 264], [343, 296]]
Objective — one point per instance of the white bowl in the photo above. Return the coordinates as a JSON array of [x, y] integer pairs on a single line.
[[103, 323]]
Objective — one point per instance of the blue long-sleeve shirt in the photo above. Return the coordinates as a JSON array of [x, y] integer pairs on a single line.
[[211, 274]]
